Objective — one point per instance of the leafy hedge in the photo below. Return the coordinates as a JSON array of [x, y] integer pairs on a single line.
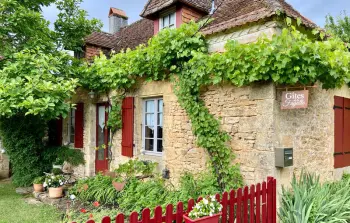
[[22, 137]]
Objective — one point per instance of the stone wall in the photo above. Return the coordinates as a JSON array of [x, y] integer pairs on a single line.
[[243, 35], [4, 164], [245, 113], [310, 132]]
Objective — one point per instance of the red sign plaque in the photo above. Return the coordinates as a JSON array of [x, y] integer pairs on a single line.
[[295, 99]]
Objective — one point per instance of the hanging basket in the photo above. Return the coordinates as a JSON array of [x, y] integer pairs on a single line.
[[207, 219]]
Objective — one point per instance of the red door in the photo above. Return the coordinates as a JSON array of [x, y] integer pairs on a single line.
[[102, 138]]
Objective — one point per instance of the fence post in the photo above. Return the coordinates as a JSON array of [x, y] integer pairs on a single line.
[[270, 200]]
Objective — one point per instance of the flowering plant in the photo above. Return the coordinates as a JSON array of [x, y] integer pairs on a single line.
[[206, 207], [54, 181]]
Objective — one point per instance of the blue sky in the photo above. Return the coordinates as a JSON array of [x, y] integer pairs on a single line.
[[316, 10]]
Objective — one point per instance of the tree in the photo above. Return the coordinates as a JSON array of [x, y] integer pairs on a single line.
[[35, 77], [339, 26], [72, 26]]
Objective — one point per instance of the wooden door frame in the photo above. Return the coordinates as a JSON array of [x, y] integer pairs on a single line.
[[105, 131]]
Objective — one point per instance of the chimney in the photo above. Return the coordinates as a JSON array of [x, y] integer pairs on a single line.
[[117, 20]]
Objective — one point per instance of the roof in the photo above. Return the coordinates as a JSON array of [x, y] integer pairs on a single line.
[[133, 35], [117, 12], [154, 6], [230, 14], [234, 13], [102, 39], [128, 37]]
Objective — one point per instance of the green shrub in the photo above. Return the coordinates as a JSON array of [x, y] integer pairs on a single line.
[[74, 157], [150, 193], [135, 168], [39, 180], [56, 171], [98, 188], [346, 176], [22, 137], [310, 201]]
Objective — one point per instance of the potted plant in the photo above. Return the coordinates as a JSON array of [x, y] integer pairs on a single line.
[[38, 184], [58, 164], [208, 210], [55, 184], [119, 183]]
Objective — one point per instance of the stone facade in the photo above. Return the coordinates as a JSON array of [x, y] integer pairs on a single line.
[[251, 115]]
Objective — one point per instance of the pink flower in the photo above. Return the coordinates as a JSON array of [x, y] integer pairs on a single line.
[[91, 216], [83, 210], [96, 204]]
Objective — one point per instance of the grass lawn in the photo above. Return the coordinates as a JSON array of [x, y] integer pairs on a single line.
[[13, 209]]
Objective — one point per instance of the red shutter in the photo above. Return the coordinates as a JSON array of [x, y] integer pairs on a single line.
[[79, 126], [128, 126], [346, 134], [338, 131]]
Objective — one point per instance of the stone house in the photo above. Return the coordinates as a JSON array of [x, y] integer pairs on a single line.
[[156, 128]]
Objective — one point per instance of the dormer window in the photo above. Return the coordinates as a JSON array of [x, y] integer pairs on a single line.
[[168, 20]]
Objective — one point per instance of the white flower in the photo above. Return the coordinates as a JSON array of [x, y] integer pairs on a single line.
[[61, 184], [212, 198], [72, 196], [45, 184], [52, 177], [205, 201]]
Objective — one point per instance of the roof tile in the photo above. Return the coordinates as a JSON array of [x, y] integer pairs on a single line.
[[234, 13], [154, 6]]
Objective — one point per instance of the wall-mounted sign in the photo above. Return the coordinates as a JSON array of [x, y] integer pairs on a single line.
[[295, 99]]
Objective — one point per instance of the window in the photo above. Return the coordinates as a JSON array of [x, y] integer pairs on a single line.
[[153, 125], [71, 126], [168, 21]]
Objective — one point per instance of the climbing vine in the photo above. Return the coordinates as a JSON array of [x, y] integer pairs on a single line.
[[181, 56]]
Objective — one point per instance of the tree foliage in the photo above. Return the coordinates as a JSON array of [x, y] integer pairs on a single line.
[[181, 55], [72, 26], [339, 26], [36, 77]]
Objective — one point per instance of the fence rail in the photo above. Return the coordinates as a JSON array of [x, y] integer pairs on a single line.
[[253, 204]]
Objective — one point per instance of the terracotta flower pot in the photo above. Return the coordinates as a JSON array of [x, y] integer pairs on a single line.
[[55, 192], [118, 186], [38, 187], [207, 219]]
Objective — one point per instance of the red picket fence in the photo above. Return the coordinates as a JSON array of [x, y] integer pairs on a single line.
[[253, 204]]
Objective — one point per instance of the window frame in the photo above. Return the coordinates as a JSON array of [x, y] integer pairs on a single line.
[[167, 14], [156, 113], [70, 124]]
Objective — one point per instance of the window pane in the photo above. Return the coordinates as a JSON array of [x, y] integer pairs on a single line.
[[160, 132], [149, 132], [172, 19], [160, 119], [160, 146], [149, 106], [160, 105], [149, 144], [150, 119], [101, 154]]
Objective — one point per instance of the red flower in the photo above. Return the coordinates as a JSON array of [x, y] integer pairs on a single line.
[[96, 204], [91, 216], [83, 210]]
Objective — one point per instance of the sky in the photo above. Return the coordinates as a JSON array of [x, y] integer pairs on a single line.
[[316, 10]]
